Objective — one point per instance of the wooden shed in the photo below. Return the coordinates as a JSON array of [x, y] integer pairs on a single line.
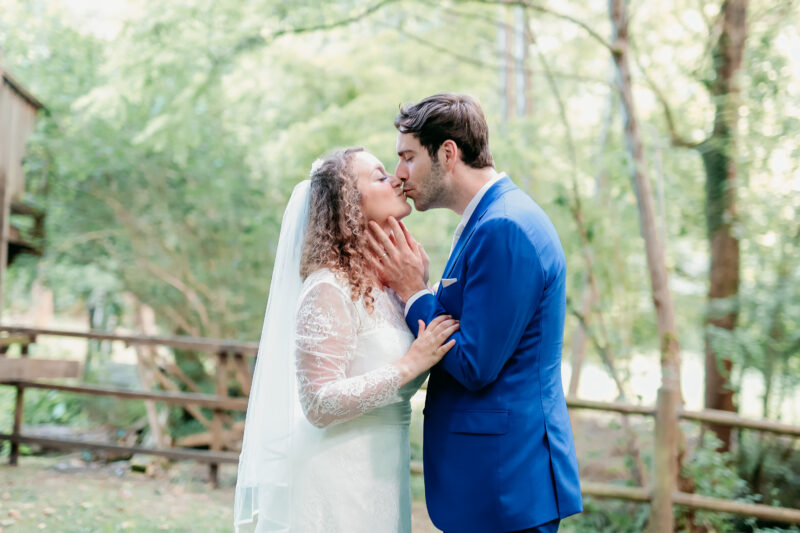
[[21, 224]]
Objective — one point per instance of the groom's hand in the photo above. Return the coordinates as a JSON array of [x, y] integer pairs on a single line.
[[399, 260]]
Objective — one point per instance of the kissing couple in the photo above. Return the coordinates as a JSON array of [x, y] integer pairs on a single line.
[[352, 330]]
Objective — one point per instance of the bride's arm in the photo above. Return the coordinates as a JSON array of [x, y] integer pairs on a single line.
[[325, 341]]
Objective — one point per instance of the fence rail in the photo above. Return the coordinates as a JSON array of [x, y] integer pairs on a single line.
[[221, 403]]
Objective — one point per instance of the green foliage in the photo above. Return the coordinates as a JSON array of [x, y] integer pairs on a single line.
[[607, 516], [53, 407], [771, 467], [713, 474]]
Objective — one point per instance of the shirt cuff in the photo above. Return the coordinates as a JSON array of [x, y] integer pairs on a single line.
[[415, 297]]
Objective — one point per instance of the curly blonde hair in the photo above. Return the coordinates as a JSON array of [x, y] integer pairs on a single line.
[[336, 236]]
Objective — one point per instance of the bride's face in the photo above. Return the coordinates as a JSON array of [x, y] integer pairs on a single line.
[[381, 193]]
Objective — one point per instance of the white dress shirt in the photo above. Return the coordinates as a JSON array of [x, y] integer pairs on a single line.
[[465, 216]]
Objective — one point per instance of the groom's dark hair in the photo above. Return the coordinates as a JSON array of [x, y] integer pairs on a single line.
[[443, 116]]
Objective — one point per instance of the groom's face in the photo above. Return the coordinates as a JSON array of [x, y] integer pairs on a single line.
[[423, 177]]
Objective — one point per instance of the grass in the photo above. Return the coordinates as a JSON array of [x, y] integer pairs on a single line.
[[66, 495], [55, 494]]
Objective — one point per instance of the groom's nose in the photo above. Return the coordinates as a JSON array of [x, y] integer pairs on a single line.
[[401, 171]]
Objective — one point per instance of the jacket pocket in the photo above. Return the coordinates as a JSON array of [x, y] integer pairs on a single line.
[[494, 422]]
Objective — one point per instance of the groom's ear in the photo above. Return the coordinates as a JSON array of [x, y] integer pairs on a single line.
[[450, 154]]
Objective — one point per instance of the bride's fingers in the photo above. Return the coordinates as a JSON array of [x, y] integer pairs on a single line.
[[376, 264], [441, 324], [412, 242], [399, 235], [375, 245], [421, 327], [436, 322], [444, 348], [446, 333], [381, 237]]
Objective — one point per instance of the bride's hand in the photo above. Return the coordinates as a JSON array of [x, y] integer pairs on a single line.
[[428, 349]]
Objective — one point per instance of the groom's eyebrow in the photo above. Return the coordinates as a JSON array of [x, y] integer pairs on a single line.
[[401, 152]]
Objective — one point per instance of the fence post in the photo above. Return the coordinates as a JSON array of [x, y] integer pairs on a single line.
[[665, 461], [19, 406], [221, 390], [13, 457]]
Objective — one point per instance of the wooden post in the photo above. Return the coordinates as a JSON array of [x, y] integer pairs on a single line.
[[13, 458], [665, 461], [19, 406], [5, 216], [216, 422], [243, 372]]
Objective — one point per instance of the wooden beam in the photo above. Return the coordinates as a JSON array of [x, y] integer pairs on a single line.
[[764, 512], [204, 439], [178, 398], [577, 403], [727, 418], [15, 339], [619, 492], [201, 456], [19, 89], [25, 368], [201, 344]]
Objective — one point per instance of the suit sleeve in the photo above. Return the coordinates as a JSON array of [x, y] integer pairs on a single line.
[[503, 285]]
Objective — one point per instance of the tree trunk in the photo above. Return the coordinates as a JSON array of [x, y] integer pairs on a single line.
[[719, 159], [665, 460]]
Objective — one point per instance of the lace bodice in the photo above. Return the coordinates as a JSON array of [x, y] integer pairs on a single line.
[[344, 354]]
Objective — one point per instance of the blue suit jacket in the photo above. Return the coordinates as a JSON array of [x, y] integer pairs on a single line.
[[498, 450]]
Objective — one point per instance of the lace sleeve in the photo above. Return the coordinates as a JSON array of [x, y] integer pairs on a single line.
[[325, 341]]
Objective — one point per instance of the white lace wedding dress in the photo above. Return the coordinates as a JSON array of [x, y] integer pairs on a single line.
[[352, 475]]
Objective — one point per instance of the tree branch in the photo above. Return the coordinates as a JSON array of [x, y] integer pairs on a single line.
[[485, 64], [261, 40], [542, 9], [675, 138]]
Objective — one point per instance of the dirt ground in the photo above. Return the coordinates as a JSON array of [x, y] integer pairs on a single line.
[[66, 494]]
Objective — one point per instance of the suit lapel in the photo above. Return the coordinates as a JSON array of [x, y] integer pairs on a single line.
[[502, 186]]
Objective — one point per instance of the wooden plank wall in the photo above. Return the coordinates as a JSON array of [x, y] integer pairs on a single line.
[[17, 117], [17, 120]]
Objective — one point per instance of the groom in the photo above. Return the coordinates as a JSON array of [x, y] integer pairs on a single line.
[[498, 450]]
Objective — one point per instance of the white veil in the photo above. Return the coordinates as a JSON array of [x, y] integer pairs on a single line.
[[264, 484]]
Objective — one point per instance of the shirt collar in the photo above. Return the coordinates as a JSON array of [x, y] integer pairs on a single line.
[[477, 198]]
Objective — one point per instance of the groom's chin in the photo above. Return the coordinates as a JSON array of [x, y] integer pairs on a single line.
[[420, 206]]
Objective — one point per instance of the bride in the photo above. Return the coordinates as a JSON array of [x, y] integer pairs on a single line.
[[326, 436]]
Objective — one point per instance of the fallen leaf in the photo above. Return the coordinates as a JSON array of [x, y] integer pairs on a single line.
[[13, 513], [42, 525], [6, 495], [48, 511]]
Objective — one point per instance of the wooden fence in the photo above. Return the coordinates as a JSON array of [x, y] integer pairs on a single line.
[[666, 412], [230, 357]]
